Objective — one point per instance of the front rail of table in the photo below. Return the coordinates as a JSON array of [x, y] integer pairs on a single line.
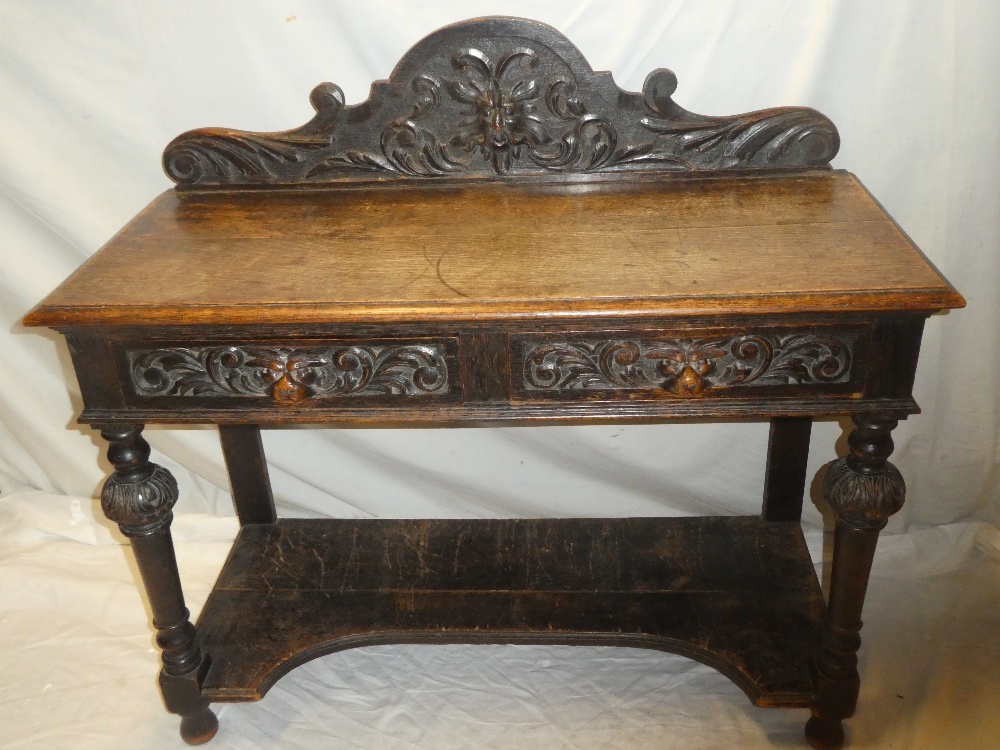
[[501, 236]]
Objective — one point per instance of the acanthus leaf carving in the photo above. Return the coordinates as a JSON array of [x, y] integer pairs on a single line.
[[805, 358], [780, 137], [864, 488], [288, 374], [135, 504], [865, 500], [687, 367], [498, 98], [223, 156]]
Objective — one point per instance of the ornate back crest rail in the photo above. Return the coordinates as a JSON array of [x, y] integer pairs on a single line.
[[494, 98]]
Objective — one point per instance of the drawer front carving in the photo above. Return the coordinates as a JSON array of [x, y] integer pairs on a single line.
[[686, 367], [291, 374]]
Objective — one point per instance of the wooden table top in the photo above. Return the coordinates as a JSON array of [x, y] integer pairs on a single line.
[[714, 246]]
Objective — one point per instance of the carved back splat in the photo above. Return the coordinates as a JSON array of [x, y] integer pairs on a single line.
[[496, 98]]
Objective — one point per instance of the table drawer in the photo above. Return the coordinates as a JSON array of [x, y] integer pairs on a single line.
[[690, 364], [494, 375], [298, 372]]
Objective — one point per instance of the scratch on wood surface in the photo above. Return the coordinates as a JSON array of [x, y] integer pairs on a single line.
[[665, 595], [699, 547], [420, 544], [457, 563], [322, 568], [529, 551], [500, 549], [437, 270], [352, 560], [285, 543], [394, 290]]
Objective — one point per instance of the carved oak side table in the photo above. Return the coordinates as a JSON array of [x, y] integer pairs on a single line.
[[499, 235]]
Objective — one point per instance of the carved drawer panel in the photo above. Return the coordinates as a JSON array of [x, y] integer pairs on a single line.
[[694, 364], [293, 372]]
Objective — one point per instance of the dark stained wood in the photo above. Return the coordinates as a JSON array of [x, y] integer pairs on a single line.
[[739, 594], [494, 98], [139, 496], [289, 372], [837, 681], [248, 478], [100, 386], [503, 414], [497, 238], [752, 367], [486, 369], [710, 363], [785, 476], [895, 350], [864, 490], [673, 248]]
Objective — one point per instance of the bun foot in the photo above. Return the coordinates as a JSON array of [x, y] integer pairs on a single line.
[[199, 728], [825, 734]]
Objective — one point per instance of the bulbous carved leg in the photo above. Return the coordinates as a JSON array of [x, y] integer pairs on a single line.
[[863, 489], [139, 497]]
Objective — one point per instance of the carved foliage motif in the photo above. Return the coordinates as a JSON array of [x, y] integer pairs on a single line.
[[687, 367], [864, 488], [139, 495], [494, 109], [230, 157], [864, 500], [499, 97], [780, 137], [289, 375], [133, 503]]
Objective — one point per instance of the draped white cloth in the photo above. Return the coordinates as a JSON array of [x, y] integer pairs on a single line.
[[91, 92]]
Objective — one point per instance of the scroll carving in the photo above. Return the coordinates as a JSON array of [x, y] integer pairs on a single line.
[[500, 97], [290, 375], [688, 367]]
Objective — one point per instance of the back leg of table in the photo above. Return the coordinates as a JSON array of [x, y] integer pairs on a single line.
[[251, 485], [785, 478]]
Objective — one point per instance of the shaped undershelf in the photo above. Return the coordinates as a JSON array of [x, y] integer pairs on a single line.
[[737, 593]]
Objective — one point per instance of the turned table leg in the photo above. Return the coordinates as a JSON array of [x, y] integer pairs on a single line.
[[863, 489], [139, 496]]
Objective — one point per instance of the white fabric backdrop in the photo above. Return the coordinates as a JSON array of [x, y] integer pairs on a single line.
[[90, 93]]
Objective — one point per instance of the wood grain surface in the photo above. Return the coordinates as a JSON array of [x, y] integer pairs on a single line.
[[814, 242], [739, 594]]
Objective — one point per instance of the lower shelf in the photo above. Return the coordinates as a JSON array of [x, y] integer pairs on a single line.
[[736, 593]]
